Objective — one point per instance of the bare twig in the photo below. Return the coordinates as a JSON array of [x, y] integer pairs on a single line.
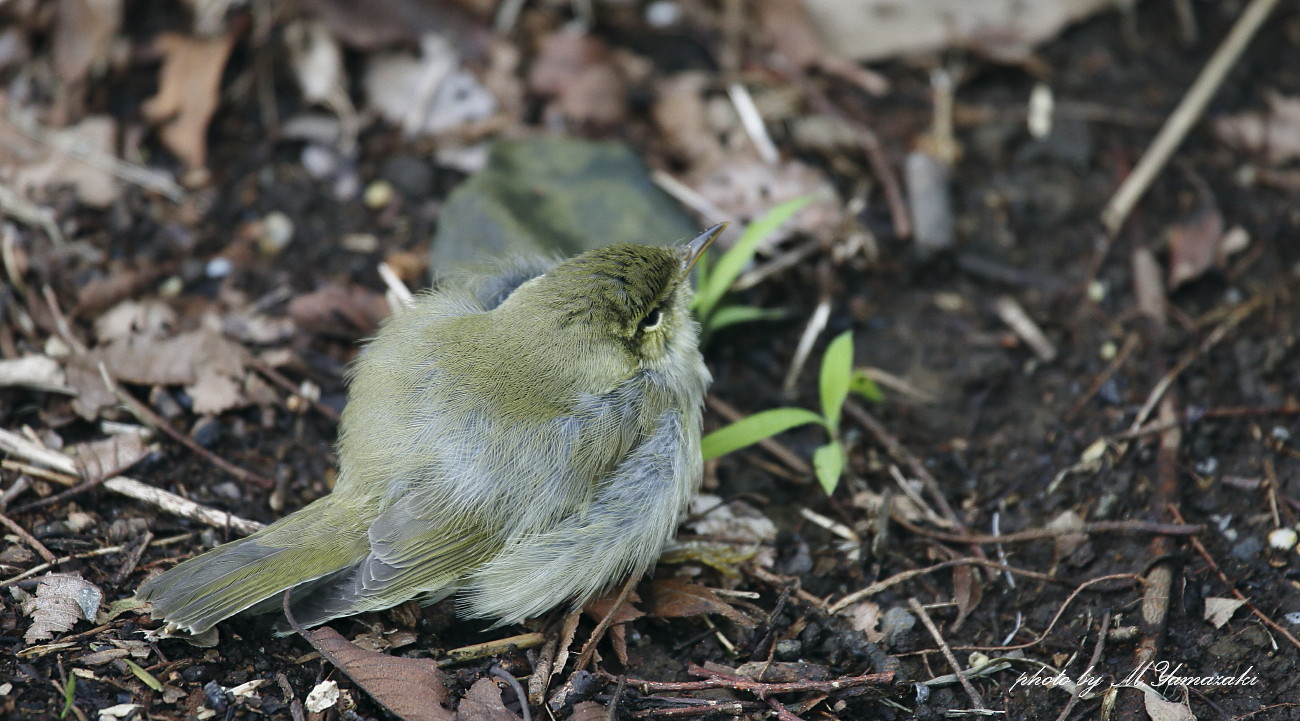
[[1189, 110], [715, 679], [1092, 663], [490, 648], [1039, 534], [898, 578], [920, 612], [589, 649], [147, 416], [28, 539], [1209, 560]]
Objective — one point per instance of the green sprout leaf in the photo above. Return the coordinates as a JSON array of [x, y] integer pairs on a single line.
[[69, 693], [863, 385], [828, 462], [729, 315], [718, 279], [836, 378], [149, 679], [751, 430]]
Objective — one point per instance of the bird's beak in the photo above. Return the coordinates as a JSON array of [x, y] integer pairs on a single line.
[[692, 251]]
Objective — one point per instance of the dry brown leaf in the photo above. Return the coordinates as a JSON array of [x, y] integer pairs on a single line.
[[867, 30], [866, 616], [1158, 709], [1067, 543], [1275, 134], [188, 92], [82, 32], [428, 94], [411, 688], [599, 608], [681, 115], [60, 601], [108, 456], [483, 703], [580, 72], [210, 366], [56, 167], [34, 371], [1195, 244], [745, 188], [149, 318], [680, 598], [336, 310], [92, 394], [966, 592], [1218, 611], [121, 283]]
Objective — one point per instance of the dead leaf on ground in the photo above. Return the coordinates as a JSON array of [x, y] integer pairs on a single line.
[[1067, 543], [680, 598], [599, 608], [189, 92], [745, 188], [1274, 134], [1161, 710], [108, 456], [56, 167], [583, 77], [1007, 30], [1195, 244], [1218, 611], [82, 33], [210, 366], [121, 282], [61, 600], [428, 94], [483, 703], [788, 25], [34, 371], [411, 688], [865, 616], [337, 310], [681, 115]]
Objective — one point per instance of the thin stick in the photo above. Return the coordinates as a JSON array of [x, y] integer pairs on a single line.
[[715, 680], [589, 649], [1189, 110], [1092, 663], [920, 612], [491, 648], [147, 416], [898, 578], [28, 539], [900, 452], [1039, 534], [1060, 611], [752, 121], [1173, 510]]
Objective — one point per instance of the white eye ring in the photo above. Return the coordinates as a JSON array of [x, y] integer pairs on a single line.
[[652, 319]]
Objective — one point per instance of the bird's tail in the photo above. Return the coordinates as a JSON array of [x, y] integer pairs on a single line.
[[293, 553]]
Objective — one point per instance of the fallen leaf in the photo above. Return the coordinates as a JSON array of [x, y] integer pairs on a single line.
[[680, 113], [411, 688], [82, 31], [189, 92], [783, 671], [680, 598], [966, 592], [1161, 710], [865, 616], [1195, 244], [483, 703], [1008, 30], [337, 310], [108, 456], [61, 600], [599, 608], [34, 371], [1067, 543], [734, 520], [324, 695], [57, 167], [580, 73], [744, 188], [1274, 134], [135, 319], [429, 94], [1218, 611]]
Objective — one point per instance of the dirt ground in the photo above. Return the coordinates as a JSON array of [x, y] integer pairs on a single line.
[[1143, 458]]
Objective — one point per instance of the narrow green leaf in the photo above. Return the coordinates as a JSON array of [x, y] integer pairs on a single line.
[[729, 266], [863, 385], [69, 694], [828, 461], [837, 374], [751, 430], [729, 315], [149, 679]]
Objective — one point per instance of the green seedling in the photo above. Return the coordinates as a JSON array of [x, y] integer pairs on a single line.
[[837, 380], [714, 279]]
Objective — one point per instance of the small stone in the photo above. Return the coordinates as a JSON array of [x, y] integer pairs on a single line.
[[1283, 539], [276, 232], [788, 650], [378, 194]]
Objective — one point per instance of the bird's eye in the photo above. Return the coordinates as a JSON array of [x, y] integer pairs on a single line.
[[652, 319]]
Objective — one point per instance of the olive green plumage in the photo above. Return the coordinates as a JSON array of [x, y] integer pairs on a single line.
[[525, 446]]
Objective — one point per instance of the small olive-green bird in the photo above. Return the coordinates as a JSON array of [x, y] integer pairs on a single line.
[[526, 439]]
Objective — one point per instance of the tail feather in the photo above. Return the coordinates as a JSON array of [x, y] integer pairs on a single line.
[[297, 551]]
